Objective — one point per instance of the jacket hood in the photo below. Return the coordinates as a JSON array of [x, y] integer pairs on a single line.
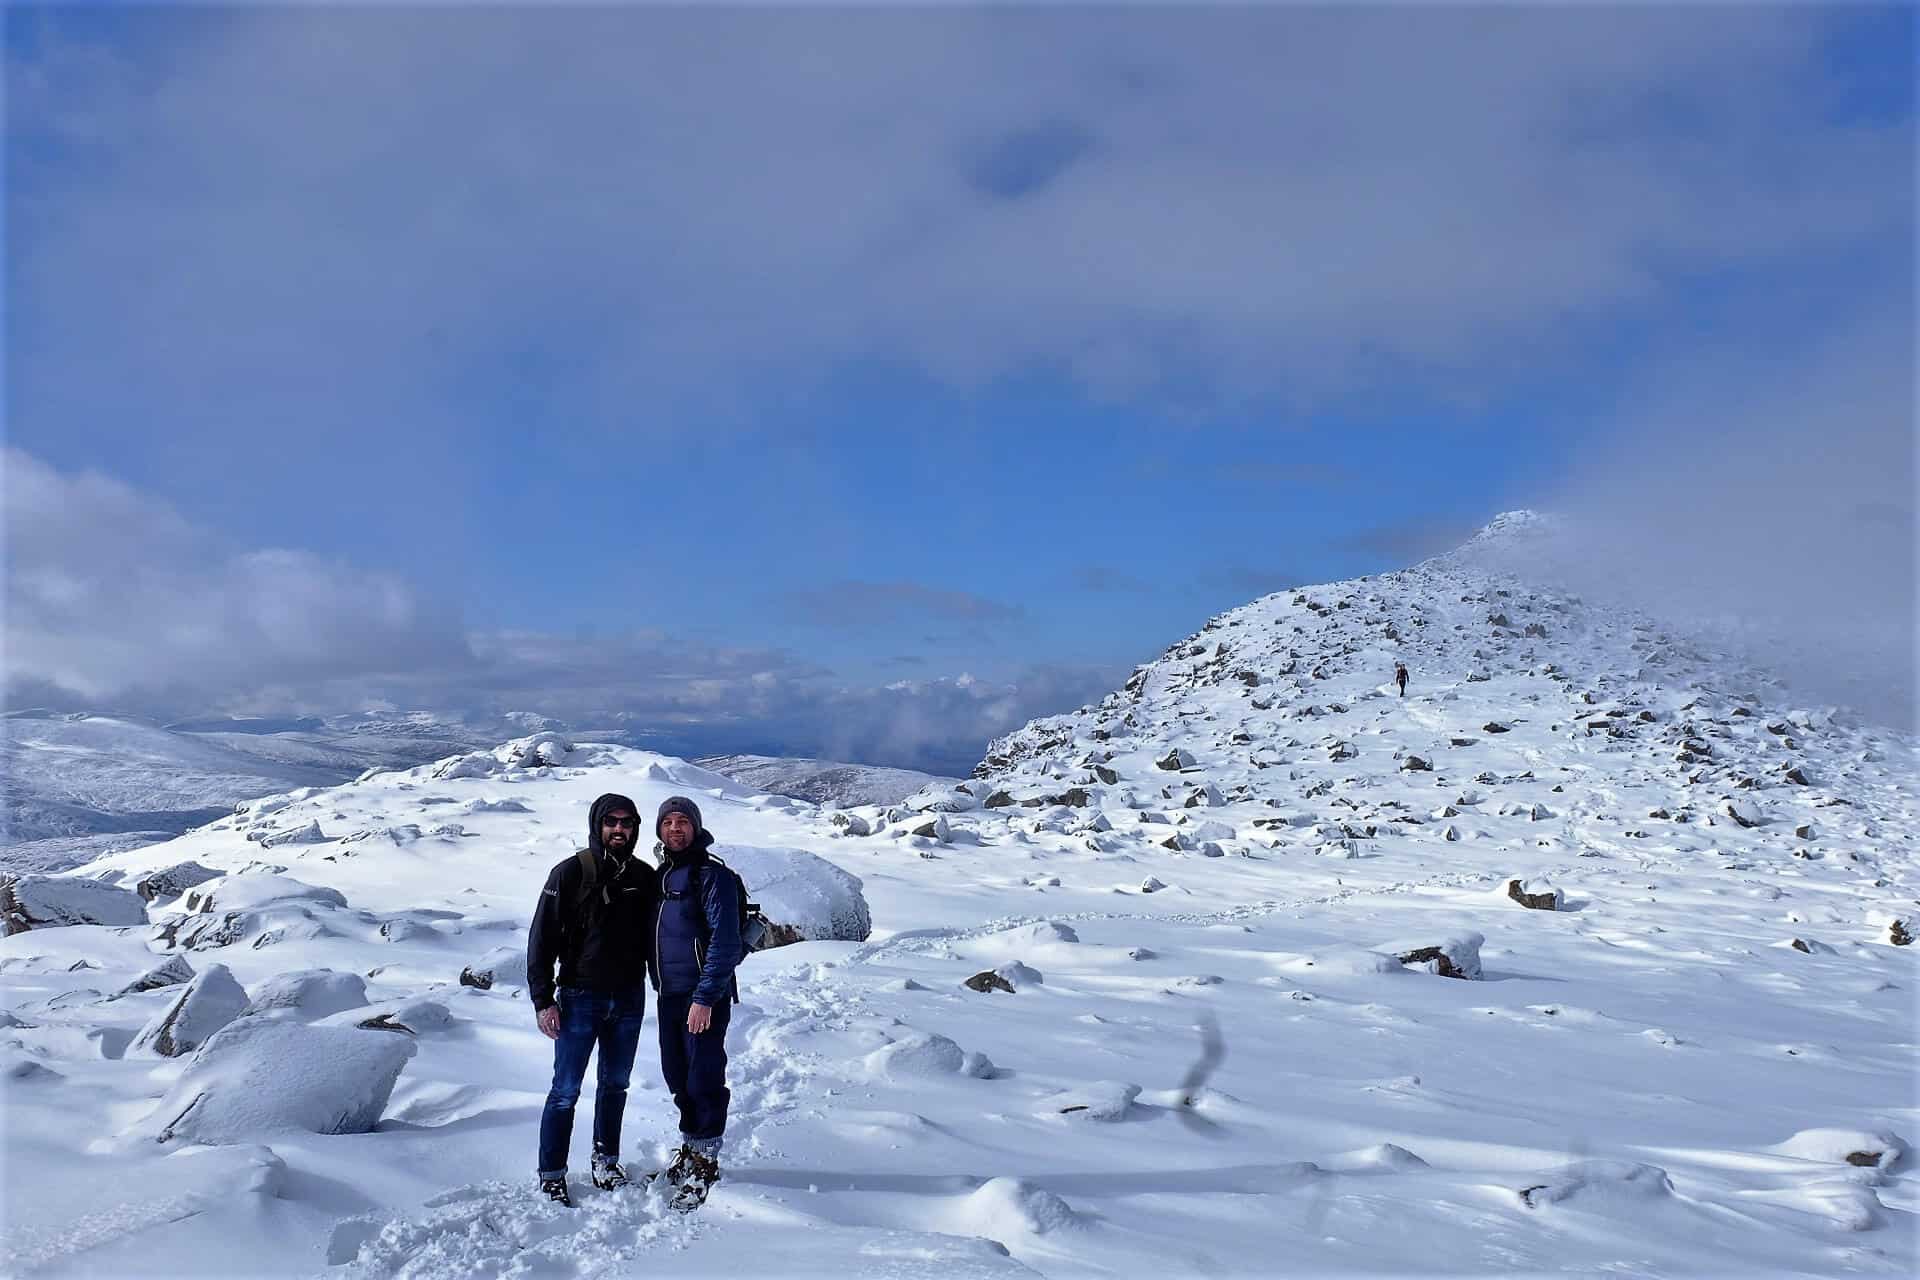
[[608, 803]]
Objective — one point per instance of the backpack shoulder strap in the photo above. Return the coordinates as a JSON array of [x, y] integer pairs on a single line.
[[589, 876]]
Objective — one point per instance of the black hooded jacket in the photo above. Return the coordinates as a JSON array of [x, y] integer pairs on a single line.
[[604, 941]]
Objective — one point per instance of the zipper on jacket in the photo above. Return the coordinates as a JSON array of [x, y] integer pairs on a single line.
[[660, 915]]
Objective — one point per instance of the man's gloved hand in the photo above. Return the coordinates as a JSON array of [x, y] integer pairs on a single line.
[[549, 1020]]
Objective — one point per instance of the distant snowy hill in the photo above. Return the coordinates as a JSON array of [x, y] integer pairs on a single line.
[[78, 785], [824, 782], [1590, 954]]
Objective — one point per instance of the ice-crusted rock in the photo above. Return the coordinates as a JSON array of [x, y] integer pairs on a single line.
[[258, 1076], [171, 882], [212, 1000], [52, 902], [308, 994]]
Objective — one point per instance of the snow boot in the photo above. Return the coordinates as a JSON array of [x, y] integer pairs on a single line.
[[555, 1189], [607, 1173], [696, 1175]]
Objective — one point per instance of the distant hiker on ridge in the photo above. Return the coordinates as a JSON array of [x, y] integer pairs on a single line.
[[697, 944], [595, 919], [1400, 677]]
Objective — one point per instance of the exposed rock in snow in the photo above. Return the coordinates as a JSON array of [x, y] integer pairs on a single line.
[[257, 1077], [171, 882], [52, 902], [987, 981], [936, 829], [1536, 894], [501, 967], [852, 824], [210, 1002], [1454, 957], [308, 994], [170, 972], [308, 834]]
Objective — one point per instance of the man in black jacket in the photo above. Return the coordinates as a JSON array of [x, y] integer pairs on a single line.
[[594, 919]]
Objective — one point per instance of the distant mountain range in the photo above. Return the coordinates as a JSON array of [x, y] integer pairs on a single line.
[[80, 785]]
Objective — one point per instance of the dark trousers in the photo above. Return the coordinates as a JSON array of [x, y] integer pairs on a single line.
[[589, 1020], [695, 1067]]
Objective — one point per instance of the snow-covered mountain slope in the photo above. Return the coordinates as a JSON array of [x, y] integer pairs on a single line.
[[824, 782], [1228, 1048]]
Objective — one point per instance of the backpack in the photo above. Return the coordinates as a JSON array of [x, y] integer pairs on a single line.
[[755, 929]]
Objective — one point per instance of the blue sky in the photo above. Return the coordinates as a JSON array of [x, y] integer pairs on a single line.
[[734, 366]]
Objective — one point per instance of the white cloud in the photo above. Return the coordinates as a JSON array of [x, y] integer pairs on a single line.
[[114, 600], [110, 592], [1270, 200]]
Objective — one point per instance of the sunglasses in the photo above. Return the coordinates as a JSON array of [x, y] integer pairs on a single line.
[[621, 822]]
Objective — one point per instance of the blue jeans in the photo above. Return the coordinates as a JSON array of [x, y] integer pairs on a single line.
[[590, 1018]]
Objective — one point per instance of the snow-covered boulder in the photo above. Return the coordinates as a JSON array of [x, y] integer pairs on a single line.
[[51, 902], [535, 751], [212, 1000], [249, 891], [263, 906], [1744, 813], [258, 1077], [1457, 956], [1009, 1209], [918, 1054], [308, 994], [500, 967], [171, 882], [1619, 1182], [409, 1017], [804, 897], [1103, 1100], [1855, 1147], [851, 824]]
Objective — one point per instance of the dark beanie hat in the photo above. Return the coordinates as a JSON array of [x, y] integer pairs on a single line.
[[677, 804]]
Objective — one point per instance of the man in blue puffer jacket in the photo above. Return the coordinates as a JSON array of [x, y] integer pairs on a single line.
[[696, 945]]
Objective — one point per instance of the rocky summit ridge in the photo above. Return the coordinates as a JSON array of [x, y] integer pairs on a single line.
[[1536, 726]]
